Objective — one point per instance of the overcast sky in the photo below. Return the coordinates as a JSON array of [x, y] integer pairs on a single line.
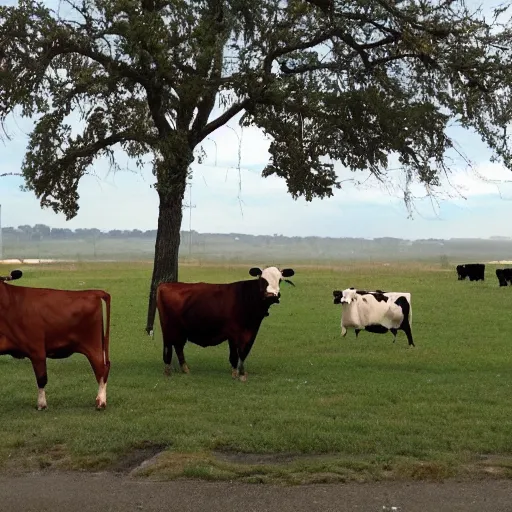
[[477, 201]]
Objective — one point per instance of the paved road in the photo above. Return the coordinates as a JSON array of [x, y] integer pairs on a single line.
[[81, 492]]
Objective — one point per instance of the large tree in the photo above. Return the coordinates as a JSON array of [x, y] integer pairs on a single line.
[[354, 81]]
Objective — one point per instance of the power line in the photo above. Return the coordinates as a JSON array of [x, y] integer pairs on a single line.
[[190, 206], [1, 239]]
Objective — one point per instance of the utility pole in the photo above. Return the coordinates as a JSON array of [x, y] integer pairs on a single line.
[[190, 206], [1, 239]]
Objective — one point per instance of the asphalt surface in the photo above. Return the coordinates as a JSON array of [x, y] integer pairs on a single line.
[[107, 492]]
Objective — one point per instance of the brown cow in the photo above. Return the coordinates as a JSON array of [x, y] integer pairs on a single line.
[[39, 322], [209, 314]]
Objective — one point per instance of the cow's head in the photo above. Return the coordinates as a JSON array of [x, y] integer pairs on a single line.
[[348, 296], [15, 274], [270, 278], [337, 294]]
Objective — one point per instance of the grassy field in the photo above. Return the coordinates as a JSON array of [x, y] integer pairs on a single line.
[[316, 407]]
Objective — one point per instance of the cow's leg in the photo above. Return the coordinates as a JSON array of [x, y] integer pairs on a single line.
[[241, 369], [357, 331], [233, 359], [178, 346], [39, 365], [343, 331], [167, 337], [407, 329], [101, 371], [173, 339], [167, 356], [394, 332], [243, 352]]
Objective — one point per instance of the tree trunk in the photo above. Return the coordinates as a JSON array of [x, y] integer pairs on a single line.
[[165, 267]]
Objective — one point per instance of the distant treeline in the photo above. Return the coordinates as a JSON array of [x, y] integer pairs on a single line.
[[41, 231], [41, 241]]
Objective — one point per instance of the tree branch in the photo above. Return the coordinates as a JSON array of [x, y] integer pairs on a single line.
[[336, 32], [110, 64], [325, 5], [321, 38], [222, 119], [205, 106], [331, 66], [381, 42], [92, 149], [207, 97], [157, 112], [440, 33], [11, 174]]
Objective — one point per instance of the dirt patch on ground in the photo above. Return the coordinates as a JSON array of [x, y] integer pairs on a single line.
[[258, 459], [138, 457]]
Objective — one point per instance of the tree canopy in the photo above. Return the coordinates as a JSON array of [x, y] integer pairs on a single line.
[[350, 81], [354, 81]]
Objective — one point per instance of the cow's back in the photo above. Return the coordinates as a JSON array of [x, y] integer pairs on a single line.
[[50, 312], [202, 300], [204, 313]]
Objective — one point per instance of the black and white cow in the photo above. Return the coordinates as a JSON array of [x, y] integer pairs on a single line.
[[376, 311], [475, 271]]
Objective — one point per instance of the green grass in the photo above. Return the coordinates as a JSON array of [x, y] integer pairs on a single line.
[[316, 407]]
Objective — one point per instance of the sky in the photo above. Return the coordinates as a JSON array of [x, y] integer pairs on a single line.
[[232, 198]]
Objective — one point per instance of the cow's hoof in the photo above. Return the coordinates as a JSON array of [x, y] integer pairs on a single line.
[[167, 370], [243, 377], [42, 407], [100, 404], [234, 374], [185, 368]]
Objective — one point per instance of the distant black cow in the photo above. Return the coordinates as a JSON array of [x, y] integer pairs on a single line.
[[504, 276], [475, 271]]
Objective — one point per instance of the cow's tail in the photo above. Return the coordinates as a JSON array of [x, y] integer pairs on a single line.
[[153, 306], [156, 307], [105, 338]]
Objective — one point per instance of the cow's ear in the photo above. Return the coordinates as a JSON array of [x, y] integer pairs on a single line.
[[287, 272], [16, 274], [255, 271]]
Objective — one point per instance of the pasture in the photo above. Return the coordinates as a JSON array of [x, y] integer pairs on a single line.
[[316, 407]]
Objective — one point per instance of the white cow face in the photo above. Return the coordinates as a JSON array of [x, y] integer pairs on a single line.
[[272, 277], [349, 296]]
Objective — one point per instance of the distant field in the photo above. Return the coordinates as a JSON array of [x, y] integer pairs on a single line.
[[316, 407], [232, 248]]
